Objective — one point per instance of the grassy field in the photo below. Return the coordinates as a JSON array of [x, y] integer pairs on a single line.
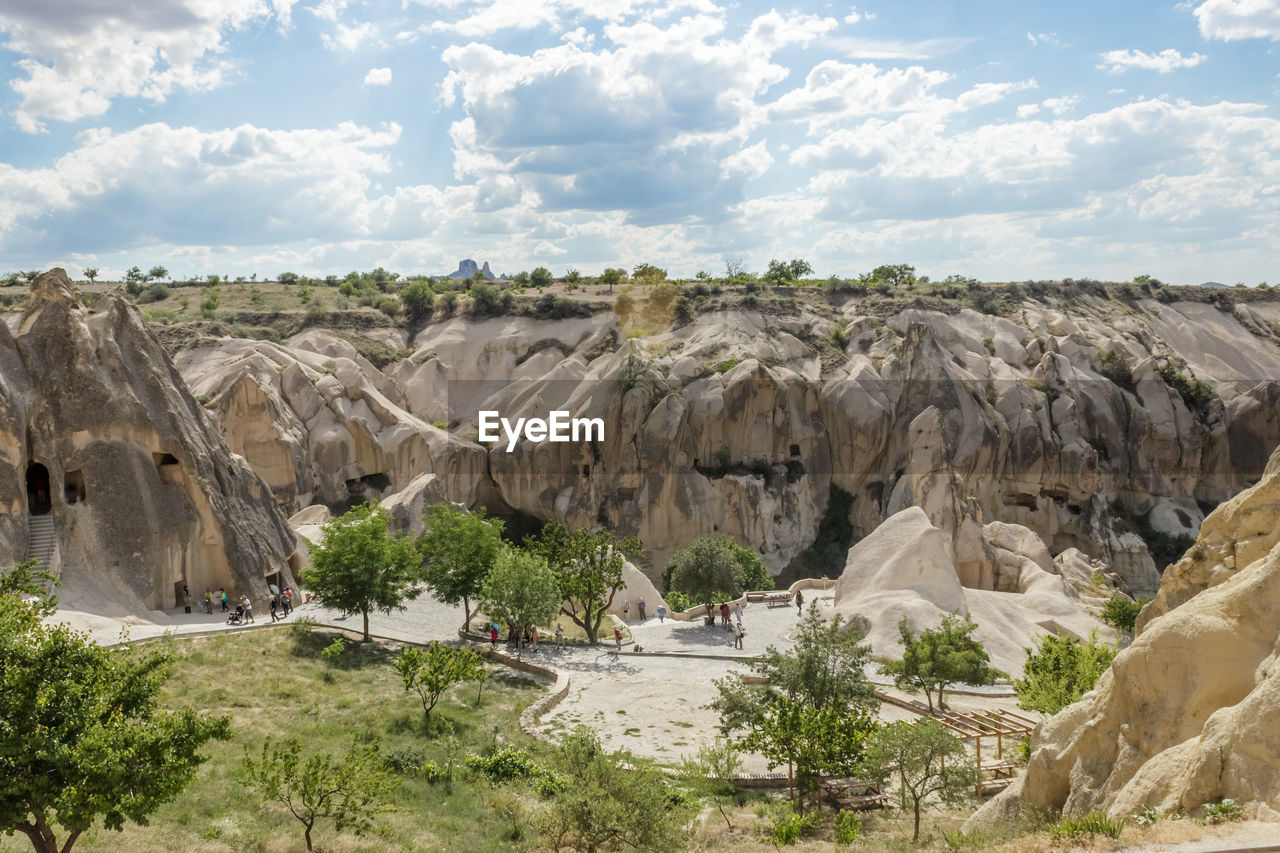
[[272, 684]]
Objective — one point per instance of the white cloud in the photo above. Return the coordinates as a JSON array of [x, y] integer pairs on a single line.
[[1117, 61], [1037, 39], [1229, 20], [482, 18], [1025, 110], [79, 56], [378, 77], [855, 16], [349, 38], [751, 162], [1061, 106], [242, 185], [642, 124]]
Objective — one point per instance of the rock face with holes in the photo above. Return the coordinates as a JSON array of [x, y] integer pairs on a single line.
[[1186, 715], [99, 433], [1076, 417]]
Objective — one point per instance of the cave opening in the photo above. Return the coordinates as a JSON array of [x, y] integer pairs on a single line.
[[39, 499], [73, 485]]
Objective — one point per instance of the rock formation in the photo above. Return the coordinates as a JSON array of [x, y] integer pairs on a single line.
[[1186, 715], [906, 570], [467, 268], [1073, 418], [100, 437], [321, 424]]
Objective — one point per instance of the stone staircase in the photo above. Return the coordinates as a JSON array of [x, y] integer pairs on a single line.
[[42, 542]]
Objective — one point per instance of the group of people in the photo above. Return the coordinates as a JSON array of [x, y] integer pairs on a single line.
[[530, 636], [661, 612], [281, 604]]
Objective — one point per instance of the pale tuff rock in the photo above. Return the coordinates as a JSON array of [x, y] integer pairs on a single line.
[[1236, 534], [320, 426], [408, 507], [905, 570], [635, 586], [742, 421], [1186, 715], [143, 493]]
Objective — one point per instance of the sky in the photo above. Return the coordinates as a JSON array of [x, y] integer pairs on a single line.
[[996, 139]]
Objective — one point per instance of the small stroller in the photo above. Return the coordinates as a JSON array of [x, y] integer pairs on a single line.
[[237, 616]]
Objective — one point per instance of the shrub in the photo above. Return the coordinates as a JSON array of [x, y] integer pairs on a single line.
[[334, 650], [1116, 369], [504, 765], [406, 760], [839, 338], [1197, 396], [154, 293], [1221, 812], [848, 827], [1121, 613], [678, 602], [1092, 824], [726, 365], [958, 839], [1148, 816], [786, 827]]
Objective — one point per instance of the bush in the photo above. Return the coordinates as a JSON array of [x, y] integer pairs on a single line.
[[1148, 816], [786, 827], [504, 765], [958, 839], [154, 293], [678, 602], [848, 827], [406, 760], [334, 650], [1116, 369], [1092, 824], [1222, 812], [1121, 613]]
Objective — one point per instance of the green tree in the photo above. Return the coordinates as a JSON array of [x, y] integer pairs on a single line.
[[611, 799], [83, 736], [928, 762], [1059, 671], [778, 273], [133, 279], [717, 764], [520, 589], [811, 741], [360, 566], [648, 274], [431, 671], [894, 275], [572, 276], [754, 574], [418, 299], [1121, 612], [588, 569], [458, 548], [817, 688], [940, 657], [156, 273], [348, 789], [91, 273], [612, 276], [706, 569], [798, 268], [288, 278], [541, 277]]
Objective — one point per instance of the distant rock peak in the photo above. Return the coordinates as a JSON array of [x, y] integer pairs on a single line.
[[467, 268]]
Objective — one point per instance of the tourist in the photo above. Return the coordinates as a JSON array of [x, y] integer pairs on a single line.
[[640, 607], [534, 637], [287, 600], [186, 598], [275, 607], [724, 613], [738, 634], [710, 620], [493, 636], [799, 603], [662, 612], [222, 593], [559, 636], [626, 609], [208, 601], [737, 612], [248, 608], [617, 637]]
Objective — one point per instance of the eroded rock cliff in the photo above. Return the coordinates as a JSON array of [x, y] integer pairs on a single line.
[[1186, 715], [1081, 419], [101, 437]]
